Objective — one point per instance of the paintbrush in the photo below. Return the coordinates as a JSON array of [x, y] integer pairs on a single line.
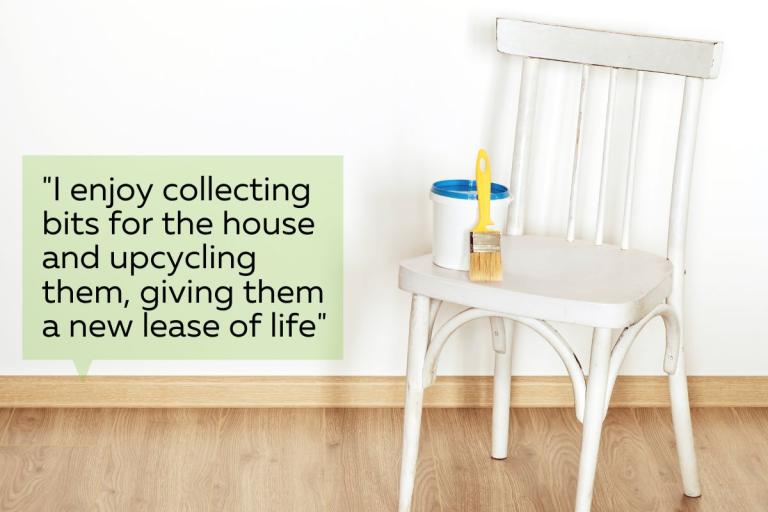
[[484, 240]]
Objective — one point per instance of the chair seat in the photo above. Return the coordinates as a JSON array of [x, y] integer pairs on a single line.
[[553, 279]]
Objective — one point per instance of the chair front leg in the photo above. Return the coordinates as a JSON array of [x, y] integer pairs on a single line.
[[597, 386], [681, 420], [502, 373], [414, 395]]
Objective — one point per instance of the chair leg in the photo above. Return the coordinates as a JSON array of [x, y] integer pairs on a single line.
[[681, 420], [414, 395], [502, 373], [597, 385]]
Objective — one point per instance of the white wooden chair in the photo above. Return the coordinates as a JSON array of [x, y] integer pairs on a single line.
[[567, 280]]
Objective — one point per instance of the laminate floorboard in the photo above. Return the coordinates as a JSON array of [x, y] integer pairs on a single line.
[[340, 460]]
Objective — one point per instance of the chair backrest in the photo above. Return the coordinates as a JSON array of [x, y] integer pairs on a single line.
[[695, 60]]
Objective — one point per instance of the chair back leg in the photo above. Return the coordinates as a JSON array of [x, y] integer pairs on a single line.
[[502, 374], [681, 420], [414, 396]]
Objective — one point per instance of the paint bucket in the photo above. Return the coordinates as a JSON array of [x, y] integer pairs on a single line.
[[454, 206]]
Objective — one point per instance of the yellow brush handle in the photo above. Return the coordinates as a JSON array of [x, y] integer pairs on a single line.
[[483, 179]]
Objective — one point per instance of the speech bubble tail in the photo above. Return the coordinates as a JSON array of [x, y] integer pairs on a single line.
[[82, 366]]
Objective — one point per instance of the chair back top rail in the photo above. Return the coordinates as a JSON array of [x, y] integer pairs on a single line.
[[687, 57]]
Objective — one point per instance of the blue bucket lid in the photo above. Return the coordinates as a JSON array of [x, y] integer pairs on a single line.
[[466, 189]]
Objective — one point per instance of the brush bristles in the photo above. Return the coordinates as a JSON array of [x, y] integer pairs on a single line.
[[485, 256], [485, 266]]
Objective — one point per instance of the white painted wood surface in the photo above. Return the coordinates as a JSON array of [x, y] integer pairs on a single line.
[[414, 397], [542, 328], [604, 170], [553, 279], [526, 108], [629, 335], [576, 164], [567, 280], [629, 189], [593, 417], [688, 57], [501, 332], [678, 223]]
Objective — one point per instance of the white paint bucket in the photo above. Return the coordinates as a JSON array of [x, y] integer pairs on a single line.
[[454, 206]]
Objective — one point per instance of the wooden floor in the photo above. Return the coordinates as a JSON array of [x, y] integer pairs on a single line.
[[347, 460]]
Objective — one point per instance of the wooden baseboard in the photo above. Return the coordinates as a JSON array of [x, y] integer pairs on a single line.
[[142, 391]]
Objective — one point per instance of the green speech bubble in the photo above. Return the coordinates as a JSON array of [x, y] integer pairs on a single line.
[[212, 257]]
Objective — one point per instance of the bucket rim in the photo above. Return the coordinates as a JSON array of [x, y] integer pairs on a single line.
[[466, 189]]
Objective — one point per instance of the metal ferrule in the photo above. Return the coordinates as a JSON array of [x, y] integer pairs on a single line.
[[485, 242]]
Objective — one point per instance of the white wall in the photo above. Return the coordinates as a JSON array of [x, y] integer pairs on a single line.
[[406, 91]]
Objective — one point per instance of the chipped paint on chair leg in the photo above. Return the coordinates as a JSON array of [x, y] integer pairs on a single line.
[[434, 309]]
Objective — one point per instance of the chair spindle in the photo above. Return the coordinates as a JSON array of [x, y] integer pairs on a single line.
[[571, 230], [600, 227], [523, 134], [630, 187]]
